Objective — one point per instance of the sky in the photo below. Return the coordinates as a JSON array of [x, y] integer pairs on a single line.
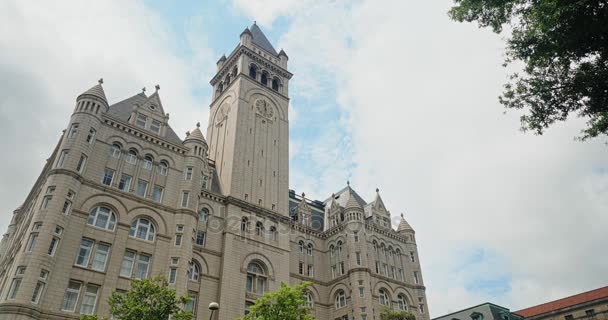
[[385, 94]]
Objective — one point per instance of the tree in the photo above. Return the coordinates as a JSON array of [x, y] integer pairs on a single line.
[[287, 303], [389, 314], [149, 299], [564, 47]]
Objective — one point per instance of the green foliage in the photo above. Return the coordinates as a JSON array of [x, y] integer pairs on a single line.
[[564, 47], [287, 303], [389, 314], [149, 299]]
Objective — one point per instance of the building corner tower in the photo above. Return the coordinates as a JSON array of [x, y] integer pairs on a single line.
[[248, 128]]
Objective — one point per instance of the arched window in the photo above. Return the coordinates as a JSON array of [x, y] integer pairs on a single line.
[[115, 151], [245, 225], [142, 229], [253, 71], [264, 78], [203, 215], [383, 297], [256, 278], [331, 250], [309, 302], [309, 249], [275, 84], [148, 162], [102, 217], [227, 79], [164, 168], [132, 156], [194, 271], [401, 303], [220, 87], [234, 71], [301, 245], [259, 229], [272, 234], [340, 299], [339, 247]]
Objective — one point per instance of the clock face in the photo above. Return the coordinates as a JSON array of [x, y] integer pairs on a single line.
[[264, 108]]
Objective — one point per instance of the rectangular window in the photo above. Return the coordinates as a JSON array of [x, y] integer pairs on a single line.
[[260, 286], [185, 196], [141, 121], [311, 270], [142, 187], [393, 274], [377, 267], [416, 280], [38, 292], [67, 206], [37, 226], [249, 283], [356, 236], [155, 126], [142, 267], [157, 194], [50, 189], [422, 308], [412, 257], [84, 252], [341, 268], [400, 274], [62, 158], [71, 297], [58, 231], [590, 313], [45, 202], [126, 267], [385, 269], [172, 275], [89, 300], [333, 272], [81, 163], [91, 136], [200, 237], [191, 304], [361, 292], [358, 256], [108, 176], [101, 256], [73, 131], [14, 288], [178, 240], [188, 175], [31, 242], [53, 246], [301, 268], [125, 182]]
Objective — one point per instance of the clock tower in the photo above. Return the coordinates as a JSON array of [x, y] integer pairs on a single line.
[[248, 128]]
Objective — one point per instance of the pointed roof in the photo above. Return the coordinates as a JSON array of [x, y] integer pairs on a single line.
[[259, 39], [352, 203], [378, 204], [97, 91], [343, 196], [403, 225], [122, 111], [154, 100]]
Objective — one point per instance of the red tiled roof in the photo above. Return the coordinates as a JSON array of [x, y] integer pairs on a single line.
[[564, 303]]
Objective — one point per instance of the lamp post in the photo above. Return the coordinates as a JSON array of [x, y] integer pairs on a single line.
[[213, 306]]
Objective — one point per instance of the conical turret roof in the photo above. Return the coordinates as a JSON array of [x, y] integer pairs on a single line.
[[96, 91], [352, 202], [403, 225], [196, 134]]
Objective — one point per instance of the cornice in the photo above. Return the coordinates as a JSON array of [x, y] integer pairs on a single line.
[[234, 56], [136, 132]]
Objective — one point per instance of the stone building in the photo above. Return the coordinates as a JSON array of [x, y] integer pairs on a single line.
[[590, 305], [484, 311], [123, 196]]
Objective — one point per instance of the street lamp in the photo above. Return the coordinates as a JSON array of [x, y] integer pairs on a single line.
[[213, 306]]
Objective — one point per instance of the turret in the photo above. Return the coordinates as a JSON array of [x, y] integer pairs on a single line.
[[246, 36], [93, 100], [196, 142]]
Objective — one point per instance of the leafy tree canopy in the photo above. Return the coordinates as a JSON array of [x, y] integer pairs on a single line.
[[564, 47], [287, 303], [149, 299], [389, 314]]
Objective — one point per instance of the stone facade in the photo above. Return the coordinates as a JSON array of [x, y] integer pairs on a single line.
[[485, 311], [122, 196]]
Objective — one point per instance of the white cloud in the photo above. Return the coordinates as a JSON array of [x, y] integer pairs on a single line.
[[51, 52], [418, 95]]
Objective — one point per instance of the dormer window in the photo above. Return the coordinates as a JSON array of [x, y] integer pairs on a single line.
[[155, 126], [141, 121]]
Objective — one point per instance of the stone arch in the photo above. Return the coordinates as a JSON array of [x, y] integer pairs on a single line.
[[385, 285], [154, 216], [261, 258], [168, 158], [226, 102], [336, 288], [409, 299], [250, 96], [198, 258], [106, 199]]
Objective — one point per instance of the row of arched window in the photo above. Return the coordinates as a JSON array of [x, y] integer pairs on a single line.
[[132, 158], [259, 229], [385, 300], [104, 218], [264, 78], [308, 248]]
